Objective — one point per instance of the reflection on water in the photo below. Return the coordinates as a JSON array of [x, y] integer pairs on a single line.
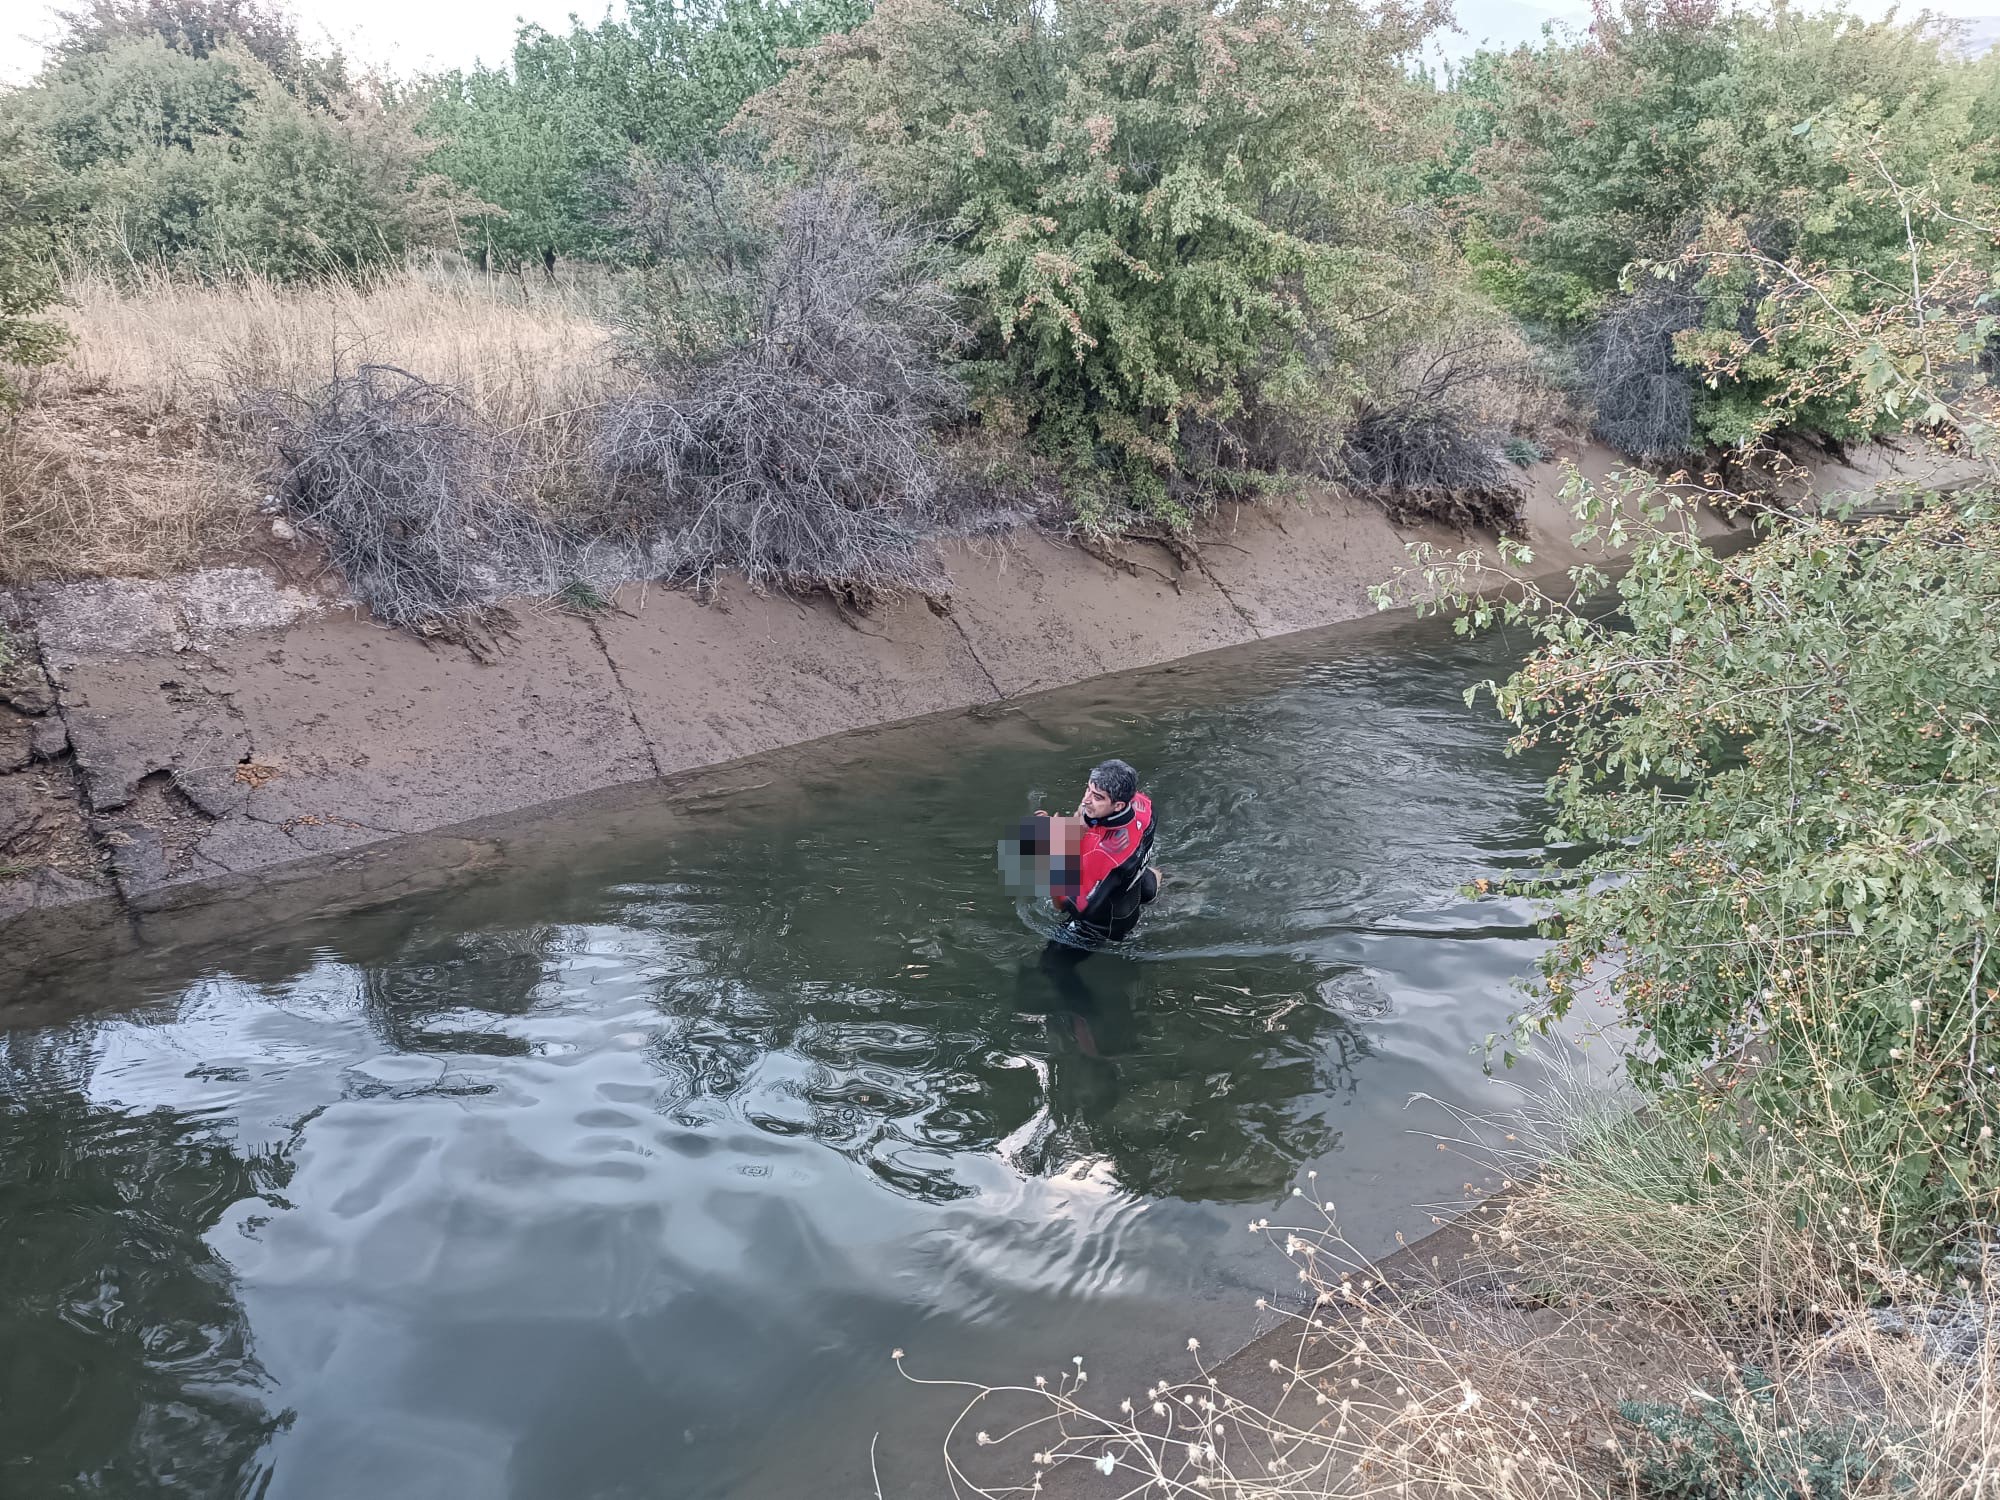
[[128, 1356], [618, 1174]]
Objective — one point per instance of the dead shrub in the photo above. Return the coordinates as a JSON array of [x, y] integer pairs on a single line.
[[1429, 464], [803, 453], [1424, 450], [416, 496], [1641, 397]]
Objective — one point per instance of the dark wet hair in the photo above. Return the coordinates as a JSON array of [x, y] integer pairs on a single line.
[[1116, 780]]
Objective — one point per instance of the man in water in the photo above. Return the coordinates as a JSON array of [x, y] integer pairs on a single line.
[[1100, 879], [1103, 885], [1093, 868]]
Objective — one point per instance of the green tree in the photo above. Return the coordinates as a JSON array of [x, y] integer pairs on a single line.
[[1174, 213], [539, 156], [199, 28]]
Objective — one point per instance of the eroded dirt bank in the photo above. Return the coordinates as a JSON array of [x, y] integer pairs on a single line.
[[164, 741]]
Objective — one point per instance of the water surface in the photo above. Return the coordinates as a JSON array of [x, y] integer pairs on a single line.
[[619, 1172]]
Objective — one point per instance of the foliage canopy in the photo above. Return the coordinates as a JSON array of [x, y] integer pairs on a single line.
[[1176, 216], [1678, 122], [547, 140]]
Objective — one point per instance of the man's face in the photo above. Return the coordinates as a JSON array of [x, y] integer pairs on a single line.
[[1097, 802]]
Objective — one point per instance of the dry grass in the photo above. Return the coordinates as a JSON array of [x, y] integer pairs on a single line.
[[102, 482], [519, 351], [133, 456]]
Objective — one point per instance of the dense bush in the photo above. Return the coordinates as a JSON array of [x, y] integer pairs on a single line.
[[1171, 211], [1674, 121], [1429, 463], [546, 140], [187, 149], [1787, 766]]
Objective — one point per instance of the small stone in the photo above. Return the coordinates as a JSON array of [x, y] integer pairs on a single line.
[[23, 684], [17, 740], [284, 530], [50, 737]]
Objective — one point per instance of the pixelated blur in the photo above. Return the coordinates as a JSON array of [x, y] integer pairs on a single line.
[[1041, 857]]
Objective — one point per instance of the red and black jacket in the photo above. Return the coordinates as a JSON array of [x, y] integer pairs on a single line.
[[1106, 885]]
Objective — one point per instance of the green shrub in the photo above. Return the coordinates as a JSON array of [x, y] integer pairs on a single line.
[[1784, 768], [197, 156], [29, 199], [1174, 214], [1673, 123]]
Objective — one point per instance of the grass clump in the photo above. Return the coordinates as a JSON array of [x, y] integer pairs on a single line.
[[582, 598]]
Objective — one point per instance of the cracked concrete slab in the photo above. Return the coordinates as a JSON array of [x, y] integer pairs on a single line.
[[97, 617], [747, 673], [129, 717]]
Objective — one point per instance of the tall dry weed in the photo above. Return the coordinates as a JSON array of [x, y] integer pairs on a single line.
[[521, 351], [101, 483]]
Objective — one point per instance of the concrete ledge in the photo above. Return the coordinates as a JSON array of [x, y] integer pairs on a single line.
[[221, 726]]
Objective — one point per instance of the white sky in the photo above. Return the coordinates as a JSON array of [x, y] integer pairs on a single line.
[[408, 37]]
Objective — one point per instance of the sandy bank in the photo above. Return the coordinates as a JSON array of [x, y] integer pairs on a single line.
[[167, 740]]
